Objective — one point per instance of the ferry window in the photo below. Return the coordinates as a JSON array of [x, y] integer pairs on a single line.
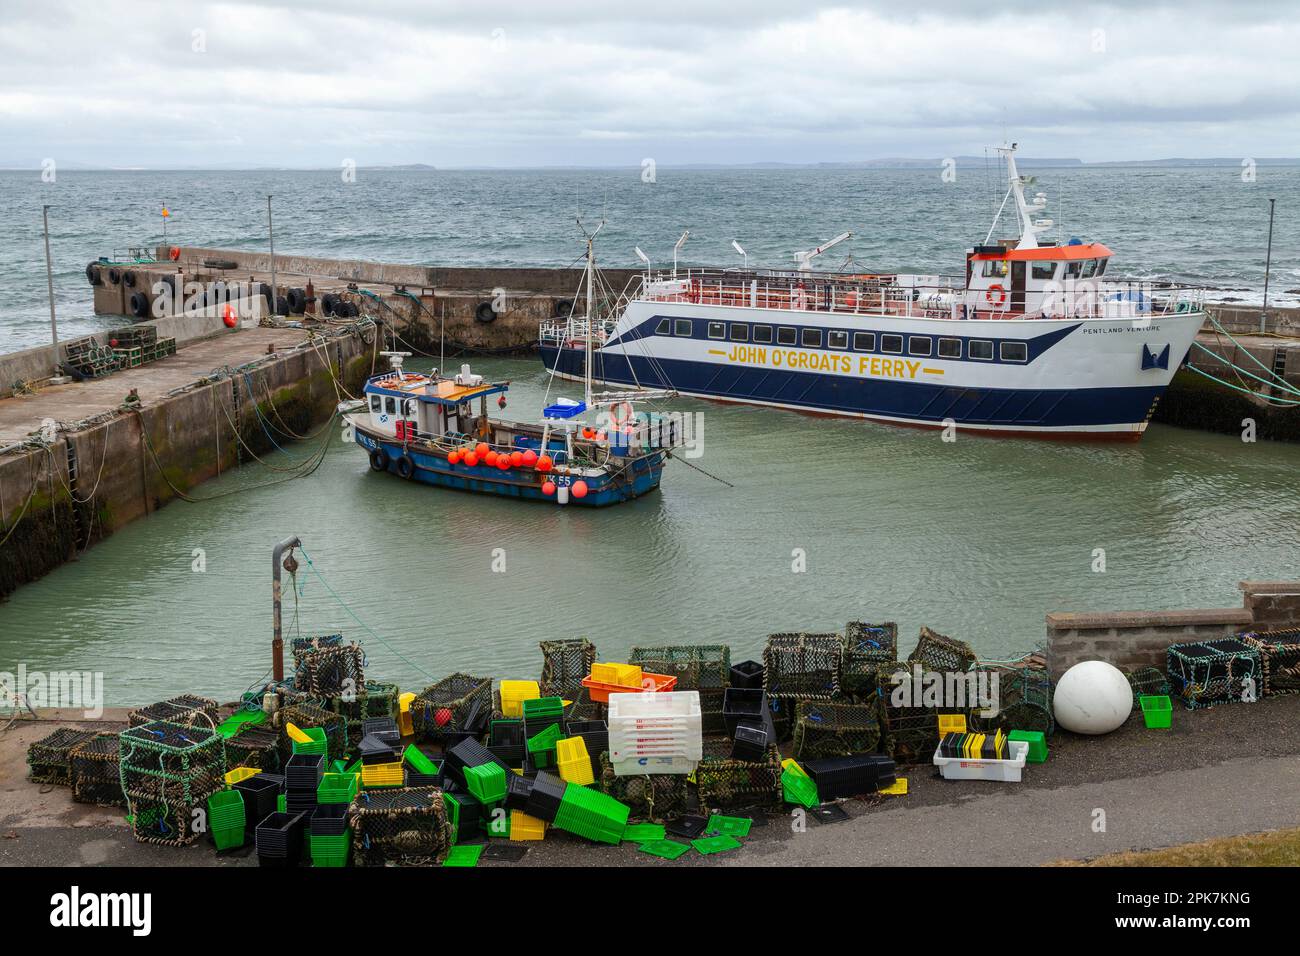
[[374, 403], [739, 333], [892, 344], [663, 328], [919, 345], [995, 268], [717, 330], [837, 340], [762, 333], [981, 349], [390, 405], [812, 338], [1089, 268], [786, 335], [1043, 269], [1014, 352], [864, 341], [1074, 269], [682, 327], [1101, 266], [950, 348]]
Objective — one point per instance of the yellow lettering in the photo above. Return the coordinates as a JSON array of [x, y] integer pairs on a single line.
[[911, 369]]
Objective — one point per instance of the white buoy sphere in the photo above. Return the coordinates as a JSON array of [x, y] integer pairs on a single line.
[[1092, 697]]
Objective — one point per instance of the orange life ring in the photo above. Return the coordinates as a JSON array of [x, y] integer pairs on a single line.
[[174, 254], [620, 413], [1001, 296]]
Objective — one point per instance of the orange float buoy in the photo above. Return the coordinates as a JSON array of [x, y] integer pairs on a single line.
[[548, 488], [174, 254], [490, 458], [503, 462], [229, 317], [453, 458], [471, 459], [588, 432], [529, 458], [544, 464], [579, 489], [516, 459], [481, 449]]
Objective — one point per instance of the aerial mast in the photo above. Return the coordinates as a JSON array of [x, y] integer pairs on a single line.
[[591, 302]]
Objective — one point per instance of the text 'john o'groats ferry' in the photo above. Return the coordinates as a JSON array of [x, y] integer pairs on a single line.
[[1031, 340]]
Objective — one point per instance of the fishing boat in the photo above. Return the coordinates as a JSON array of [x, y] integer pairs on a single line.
[[436, 429], [1031, 340]]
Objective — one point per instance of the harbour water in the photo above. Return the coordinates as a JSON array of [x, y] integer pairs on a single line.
[[1197, 225], [976, 538]]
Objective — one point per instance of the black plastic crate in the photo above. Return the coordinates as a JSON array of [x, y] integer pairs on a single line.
[[506, 740], [329, 819], [743, 705], [518, 790], [750, 743], [374, 749], [468, 753], [279, 836], [416, 779], [303, 772], [747, 674], [466, 815], [850, 776], [383, 728], [595, 733], [300, 801], [545, 797]]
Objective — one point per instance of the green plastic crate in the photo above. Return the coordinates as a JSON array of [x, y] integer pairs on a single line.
[[240, 720], [226, 818], [644, 833], [418, 761], [1157, 711], [799, 789], [487, 782], [330, 851], [542, 745], [665, 849], [319, 745], [731, 826], [543, 708], [716, 844], [338, 788], [1037, 743], [466, 854], [592, 814]]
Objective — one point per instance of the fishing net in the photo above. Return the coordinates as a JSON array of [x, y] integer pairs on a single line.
[[96, 772], [909, 729], [1205, 673], [330, 671], [722, 783], [584, 708], [655, 797], [1023, 698], [444, 708], [936, 652], [823, 729], [696, 666], [184, 709], [1147, 682], [802, 666], [866, 648], [166, 771], [303, 716], [399, 827], [1279, 655], [564, 665], [302, 647], [254, 746], [48, 759]]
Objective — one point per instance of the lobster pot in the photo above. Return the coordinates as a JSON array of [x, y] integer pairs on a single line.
[[96, 772], [404, 826], [301, 647], [1147, 682], [655, 797], [303, 716], [823, 729], [49, 759], [696, 666], [584, 708], [184, 709], [167, 770], [564, 665], [134, 336], [866, 648], [936, 652], [257, 747], [909, 733], [711, 720], [1205, 673], [1024, 698], [331, 671], [446, 707], [722, 783], [1279, 656], [802, 666]]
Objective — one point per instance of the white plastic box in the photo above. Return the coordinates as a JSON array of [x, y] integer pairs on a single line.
[[963, 768], [655, 733]]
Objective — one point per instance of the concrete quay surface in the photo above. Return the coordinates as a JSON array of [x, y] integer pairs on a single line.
[[1222, 772]]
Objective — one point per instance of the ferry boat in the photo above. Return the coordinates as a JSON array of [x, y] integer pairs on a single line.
[[427, 428], [1031, 340]]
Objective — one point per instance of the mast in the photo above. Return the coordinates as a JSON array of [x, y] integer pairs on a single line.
[[591, 302]]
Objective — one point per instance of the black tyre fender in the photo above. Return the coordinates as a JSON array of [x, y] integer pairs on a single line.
[[92, 275], [405, 466], [379, 460], [139, 305], [328, 302], [297, 301], [128, 278], [281, 305], [563, 308], [115, 276], [484, 312]]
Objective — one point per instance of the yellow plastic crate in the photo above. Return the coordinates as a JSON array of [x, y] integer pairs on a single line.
[[514, 693], [240, 773], [524, 827], [952, 724], [624, 675], [404, 725], [381, 774], [574, 761]]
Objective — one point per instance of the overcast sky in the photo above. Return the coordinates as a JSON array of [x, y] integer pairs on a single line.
[[599, 82]]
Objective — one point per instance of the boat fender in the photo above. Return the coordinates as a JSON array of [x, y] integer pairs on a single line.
[[139, 305], [297, 301], [115, 276], [92, 274], [563, 308], [562, 495], [328, 302], [128, 278], [405, 466], [379, 460], [484, 312], [995, 300]]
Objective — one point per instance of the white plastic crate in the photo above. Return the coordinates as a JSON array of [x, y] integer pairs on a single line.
[[640, 766], [963, 768], [663, 728]]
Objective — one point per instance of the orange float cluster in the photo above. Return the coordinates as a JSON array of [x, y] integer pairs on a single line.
[[483, 453]]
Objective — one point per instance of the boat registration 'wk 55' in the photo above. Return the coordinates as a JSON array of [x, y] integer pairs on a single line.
[[1031, 340]]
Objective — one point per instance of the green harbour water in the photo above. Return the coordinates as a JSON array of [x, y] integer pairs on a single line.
[[977, 538]]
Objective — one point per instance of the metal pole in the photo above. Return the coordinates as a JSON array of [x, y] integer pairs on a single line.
[[1268, 261], [277, 642], [49, 282], [270, 235]]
